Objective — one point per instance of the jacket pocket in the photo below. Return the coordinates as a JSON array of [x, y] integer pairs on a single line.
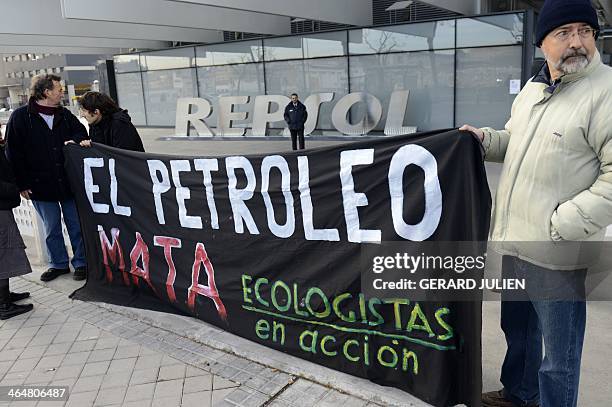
[[549, 224]]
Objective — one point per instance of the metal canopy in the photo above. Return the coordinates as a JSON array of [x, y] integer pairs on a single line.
[[354, 12], [174, 14]]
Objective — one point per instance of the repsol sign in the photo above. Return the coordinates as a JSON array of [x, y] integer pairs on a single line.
[[269, 109]]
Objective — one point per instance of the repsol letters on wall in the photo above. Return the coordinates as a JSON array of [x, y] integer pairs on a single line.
[[269, 109], [268, 247]]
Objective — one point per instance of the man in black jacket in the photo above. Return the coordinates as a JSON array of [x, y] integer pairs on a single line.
[[35, 138], [108, 124], [295, 116]]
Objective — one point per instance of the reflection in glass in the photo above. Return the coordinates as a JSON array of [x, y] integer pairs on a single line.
[[306, 78], [231, 80], [504, 29], [410, 37], [427, 75], [129, 89], [162, 89], [229, 53], [126, 63], [483, 85], [417, 57], [310, 46], [167, 59]]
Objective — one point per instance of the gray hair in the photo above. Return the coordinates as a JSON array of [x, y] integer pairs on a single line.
[[41, 83]]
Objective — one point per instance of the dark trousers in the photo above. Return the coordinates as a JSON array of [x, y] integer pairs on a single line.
[[553, 316], [295, 134], [5, 294]]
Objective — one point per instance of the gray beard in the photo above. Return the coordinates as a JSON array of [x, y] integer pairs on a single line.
[[573, 65], [577, 63]]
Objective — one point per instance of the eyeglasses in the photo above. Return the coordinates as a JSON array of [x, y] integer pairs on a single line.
[[584, 33]]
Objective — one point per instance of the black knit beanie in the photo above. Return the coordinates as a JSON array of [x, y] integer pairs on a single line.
[[555, 13]]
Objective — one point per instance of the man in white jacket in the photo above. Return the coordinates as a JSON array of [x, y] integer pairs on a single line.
[[554, 198]]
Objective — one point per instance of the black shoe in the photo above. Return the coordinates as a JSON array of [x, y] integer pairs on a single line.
[[497, 399], [52, 274], [19, 296], [80, 273], [11, 310]]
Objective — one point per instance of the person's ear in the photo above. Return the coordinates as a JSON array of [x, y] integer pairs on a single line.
[[97, 112]]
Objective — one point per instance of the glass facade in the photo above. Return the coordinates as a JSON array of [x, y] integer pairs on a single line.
[[459, 70], [306, 77], [229, 53], [162, 89], [483, 95], [504, 29], [231, 80], [403, 38], [129, 89], [302, 46], [428, 75], [127, 63], [168, 59]]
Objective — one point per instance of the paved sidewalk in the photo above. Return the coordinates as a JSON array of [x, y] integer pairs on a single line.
[[109, 359], [53, 346]]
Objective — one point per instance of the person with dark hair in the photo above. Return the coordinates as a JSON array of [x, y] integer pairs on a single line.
[[12, 249], [35, 138], [295, 116], [108, 123]]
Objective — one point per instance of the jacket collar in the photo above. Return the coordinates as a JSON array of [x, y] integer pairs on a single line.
[[103, 123], [543, 75]]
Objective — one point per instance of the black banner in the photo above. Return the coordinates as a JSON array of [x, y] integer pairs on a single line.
[[269, 247]]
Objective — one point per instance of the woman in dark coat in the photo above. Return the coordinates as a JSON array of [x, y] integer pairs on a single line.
[[108, 124], [13, 259]]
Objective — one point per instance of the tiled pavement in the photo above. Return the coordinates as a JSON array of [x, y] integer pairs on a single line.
[[108, 359]]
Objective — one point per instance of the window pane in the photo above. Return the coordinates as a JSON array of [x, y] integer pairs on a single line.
[[311, 46], [126, 63], [129, 93], [483, 85], [162, 89], [231, 80], [505, 29], [168, 59], [410, 37], [427, 75], [229, 53], [538, 53], [306, 78]]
